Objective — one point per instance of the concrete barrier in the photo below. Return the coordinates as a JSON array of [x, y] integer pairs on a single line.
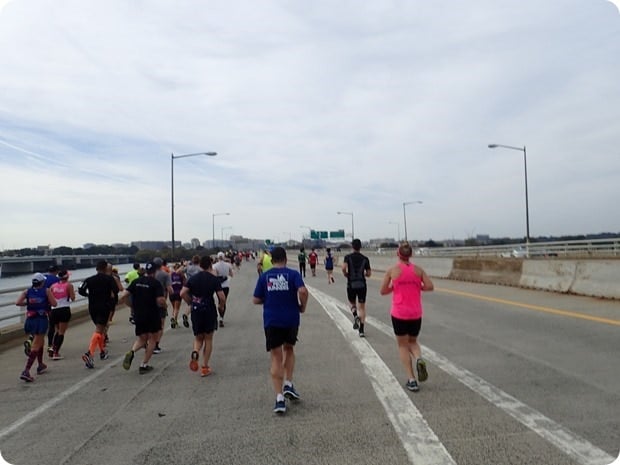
[[548, 275], [505, 272], [597, 278]]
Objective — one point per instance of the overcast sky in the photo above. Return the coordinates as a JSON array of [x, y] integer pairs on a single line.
[[313, 107]]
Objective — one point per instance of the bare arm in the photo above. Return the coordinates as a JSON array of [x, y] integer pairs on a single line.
[[50, 297], [427, 284], [221, 300], [161, 301], [71, 291], [186, 296], [345, 269], [386, 284], [21, 300], [302, 295]]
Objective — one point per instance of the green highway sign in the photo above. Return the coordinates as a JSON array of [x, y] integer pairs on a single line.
[[337, 234]]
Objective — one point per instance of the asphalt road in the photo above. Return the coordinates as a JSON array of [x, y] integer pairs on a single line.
[[515, 377]]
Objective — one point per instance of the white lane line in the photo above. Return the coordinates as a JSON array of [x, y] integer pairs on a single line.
[[578, 448], [55, 400], [420, 442]]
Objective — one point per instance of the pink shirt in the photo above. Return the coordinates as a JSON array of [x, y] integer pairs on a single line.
[[406, 294]]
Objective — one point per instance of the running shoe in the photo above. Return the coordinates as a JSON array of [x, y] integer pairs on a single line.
[[193, 364], [50, 352], [128, 359], [221, 323], [26, 377], [280, 407], [421, 368], [57, 356], [290, 393], [145, 369], [103, 355], [42, 368], [356, 322], [131, 320], [205, 371], [412, 385], [88, 360], [27, 347], [157, 349], [185, 321], [362, 333], [173, 323]]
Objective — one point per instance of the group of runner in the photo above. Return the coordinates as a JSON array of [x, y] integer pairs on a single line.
[[279, 289]]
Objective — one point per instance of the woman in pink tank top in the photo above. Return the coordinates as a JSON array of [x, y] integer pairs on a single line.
[[406, 281]]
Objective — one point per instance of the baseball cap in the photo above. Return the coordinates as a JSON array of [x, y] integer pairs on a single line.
[[38, 278], [157, 261], [220, 255], [151, 267], [52, 269], [63, 274]]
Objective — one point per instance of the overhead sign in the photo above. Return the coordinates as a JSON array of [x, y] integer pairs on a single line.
[[337, 234]]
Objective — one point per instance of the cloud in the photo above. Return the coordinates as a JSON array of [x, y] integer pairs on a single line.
[[312, 108]]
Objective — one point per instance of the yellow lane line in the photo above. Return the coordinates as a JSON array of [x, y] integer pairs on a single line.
[[537, 308]]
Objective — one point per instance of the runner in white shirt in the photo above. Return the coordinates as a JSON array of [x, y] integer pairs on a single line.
[[224, 271]]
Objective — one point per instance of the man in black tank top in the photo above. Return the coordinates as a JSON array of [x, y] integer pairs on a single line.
[[356, 268]]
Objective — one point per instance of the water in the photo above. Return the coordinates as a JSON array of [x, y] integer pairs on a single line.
[[12, 286]]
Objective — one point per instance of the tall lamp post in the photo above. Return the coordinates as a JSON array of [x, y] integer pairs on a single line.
[[172, 158], [213, 223], [527, 207], [397, 227], [352, 225], [405, 213]]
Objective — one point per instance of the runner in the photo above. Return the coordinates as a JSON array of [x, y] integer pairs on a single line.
[[99, 289], [113, 271], [282, 293], [264, 261], [191, 270], [356, 268], [301, 258], [64, 293], [198, 293], [37, 300], [163, 277], [313, 259], [147, 297], [405, 281], [177, 281], [224, 271], [50, 278], [131, 276], [329, 265]]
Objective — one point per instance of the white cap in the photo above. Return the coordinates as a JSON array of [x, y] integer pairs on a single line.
[[220, 255], [38, 278]]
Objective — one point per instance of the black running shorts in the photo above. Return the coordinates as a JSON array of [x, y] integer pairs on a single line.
[[407, 327], [359, 294], [60, 315], [204, 321], [276, 337]]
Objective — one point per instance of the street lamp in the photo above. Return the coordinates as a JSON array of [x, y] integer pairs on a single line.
[[213, 223], [397, 227], [352, 225], [405, 213], [309, 233], [527, 208], [172, 158]]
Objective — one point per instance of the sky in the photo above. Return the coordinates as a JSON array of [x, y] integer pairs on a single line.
[[313, 108]]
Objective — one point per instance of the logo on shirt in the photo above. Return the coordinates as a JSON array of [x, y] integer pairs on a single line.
[[279, 283]]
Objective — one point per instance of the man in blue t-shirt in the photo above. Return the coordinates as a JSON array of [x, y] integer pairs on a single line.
[[284, 296]]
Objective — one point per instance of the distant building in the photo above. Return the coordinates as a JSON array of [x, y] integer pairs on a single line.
[[154, 245], [194, 243]]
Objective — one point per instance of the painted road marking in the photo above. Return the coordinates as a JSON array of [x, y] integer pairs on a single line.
[[578, 448], [537, 308], [420, 442]]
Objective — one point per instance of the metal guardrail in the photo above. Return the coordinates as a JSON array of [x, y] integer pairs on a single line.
[[593, 248]]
